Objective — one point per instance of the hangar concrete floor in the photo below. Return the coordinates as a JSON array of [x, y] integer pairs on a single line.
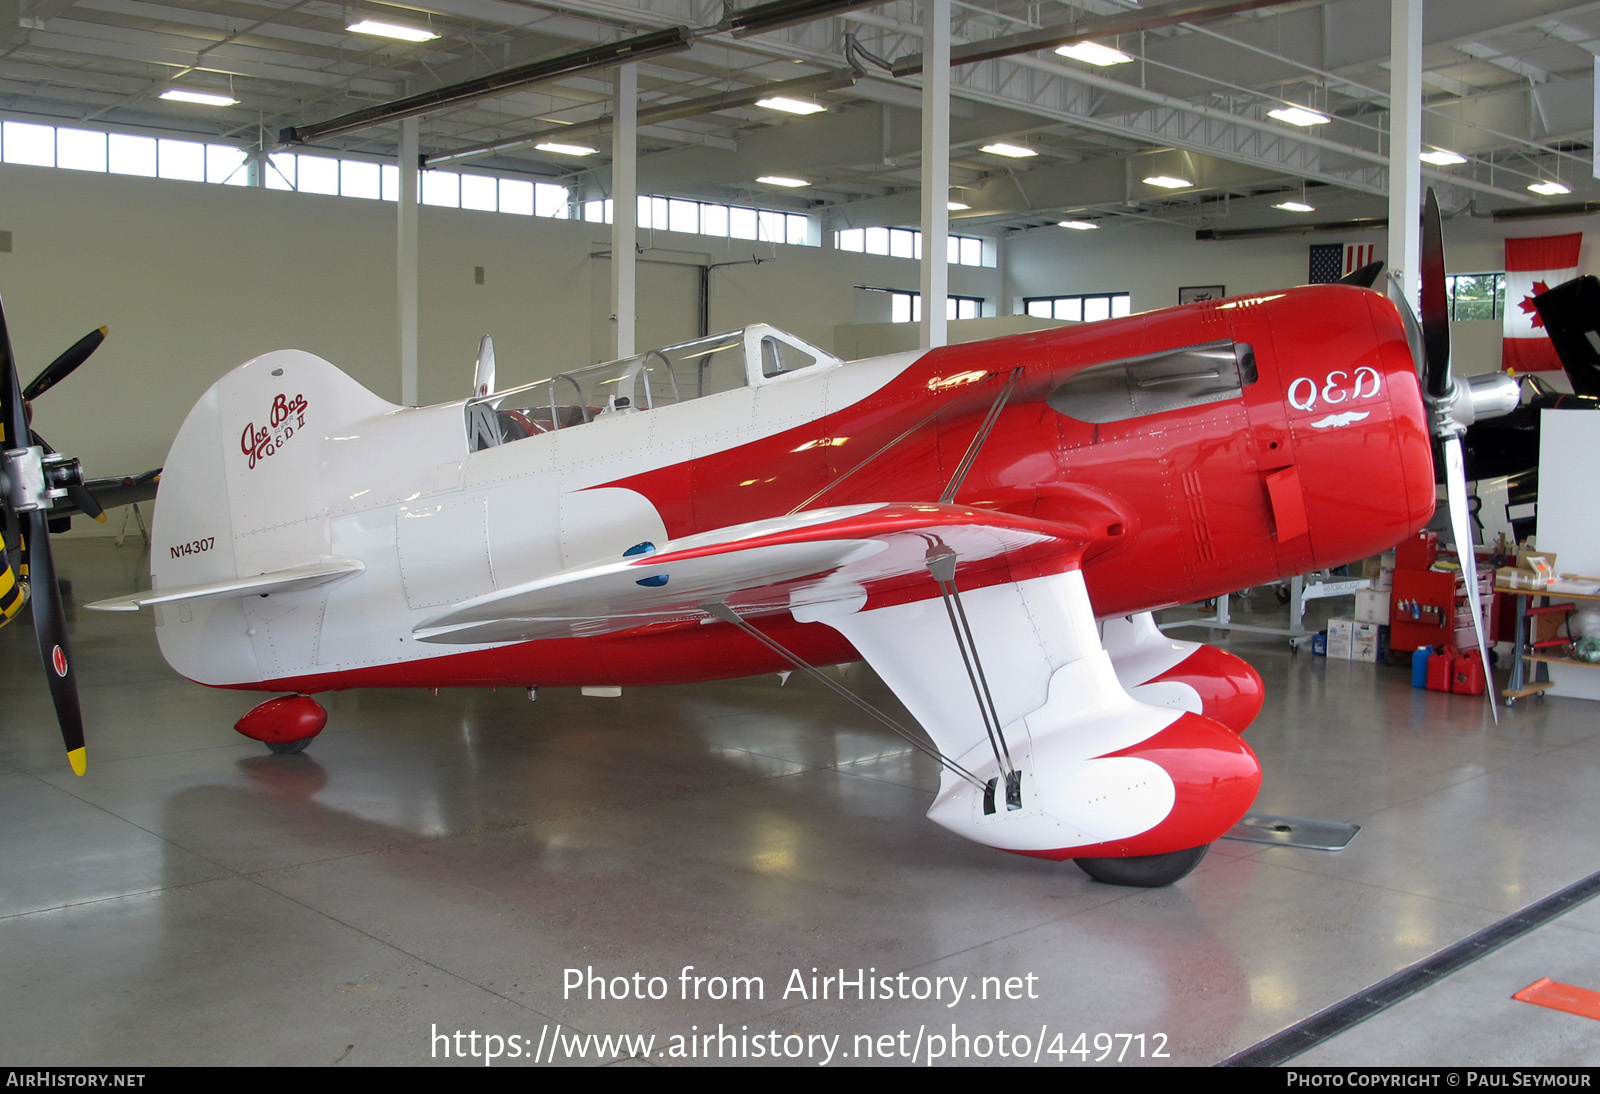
[[436, 865]]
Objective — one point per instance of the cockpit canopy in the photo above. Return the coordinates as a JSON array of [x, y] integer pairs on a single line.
[[752, 356]]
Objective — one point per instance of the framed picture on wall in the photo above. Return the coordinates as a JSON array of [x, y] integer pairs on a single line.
[[1191, 294]]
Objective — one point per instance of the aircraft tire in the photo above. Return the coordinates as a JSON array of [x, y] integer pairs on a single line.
[[288, 748], [1144, 871]]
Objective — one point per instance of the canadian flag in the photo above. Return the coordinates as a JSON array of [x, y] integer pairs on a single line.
[[1532, 267]]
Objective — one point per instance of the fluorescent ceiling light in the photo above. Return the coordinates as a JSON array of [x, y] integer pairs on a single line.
[[791, 106], [391, 30], [1168, 182], [1078, 225], [565, 149], [957, 206], [1550, 188], [1295, 207], [1298, 115], [1442, 157], [781, 180], [1015, 151], [198, 97], [1093, 53]]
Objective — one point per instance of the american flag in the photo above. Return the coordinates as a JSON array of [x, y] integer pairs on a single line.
[[1331, 261]]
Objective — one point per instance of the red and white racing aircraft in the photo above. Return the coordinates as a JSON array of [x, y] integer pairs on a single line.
[[988, 525]]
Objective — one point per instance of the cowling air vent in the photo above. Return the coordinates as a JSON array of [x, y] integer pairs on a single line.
[[1115, 391]]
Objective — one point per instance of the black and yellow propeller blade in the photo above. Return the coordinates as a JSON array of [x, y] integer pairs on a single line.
[[63, 366], [49, 619]]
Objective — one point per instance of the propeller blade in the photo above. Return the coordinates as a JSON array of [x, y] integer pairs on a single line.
[[1435, 302], [79, 495], [483, 375], [62, 367], [86, 502], [13, 415], [1461, 532], [1366, 276], [50, 630], [49, 619], [1408, 319]]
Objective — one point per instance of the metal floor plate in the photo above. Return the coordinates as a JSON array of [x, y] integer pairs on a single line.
[[1312, 835]]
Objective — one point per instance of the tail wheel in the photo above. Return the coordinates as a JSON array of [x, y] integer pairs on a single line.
[[1144, 871]]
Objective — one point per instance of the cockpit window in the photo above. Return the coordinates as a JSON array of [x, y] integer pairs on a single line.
[[645, 381], [1116, 391], [778, 357], [707, 365]]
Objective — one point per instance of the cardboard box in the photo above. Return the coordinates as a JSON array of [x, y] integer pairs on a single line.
[[1341, 635], [1513, 578], [1545, 565], [1372, 606], [1370, 642], [1355, 640]]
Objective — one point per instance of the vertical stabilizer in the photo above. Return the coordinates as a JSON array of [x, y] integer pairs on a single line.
[[242, 494]]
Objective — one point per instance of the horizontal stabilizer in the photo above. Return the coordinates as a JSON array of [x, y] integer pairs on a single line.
[[798, 562], [303, 576]]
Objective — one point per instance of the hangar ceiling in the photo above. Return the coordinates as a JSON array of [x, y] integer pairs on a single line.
[[1509, 87]]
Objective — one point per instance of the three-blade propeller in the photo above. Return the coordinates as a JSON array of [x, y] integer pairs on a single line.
[[32, 476], [1453, 404]]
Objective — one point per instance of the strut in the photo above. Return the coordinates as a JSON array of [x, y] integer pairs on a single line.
[[728, 615], [978, 438], [941, 563]]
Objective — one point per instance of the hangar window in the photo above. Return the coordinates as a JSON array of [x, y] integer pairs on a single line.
[[121, 153], [82, 149], [227, 165], [480, 192], [130, 155], [907, 243], [359, 179], [1081, 307], [906, 307], [1476, 295], [317, 175], [30, 144], [1116, 391], [708, 218]]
